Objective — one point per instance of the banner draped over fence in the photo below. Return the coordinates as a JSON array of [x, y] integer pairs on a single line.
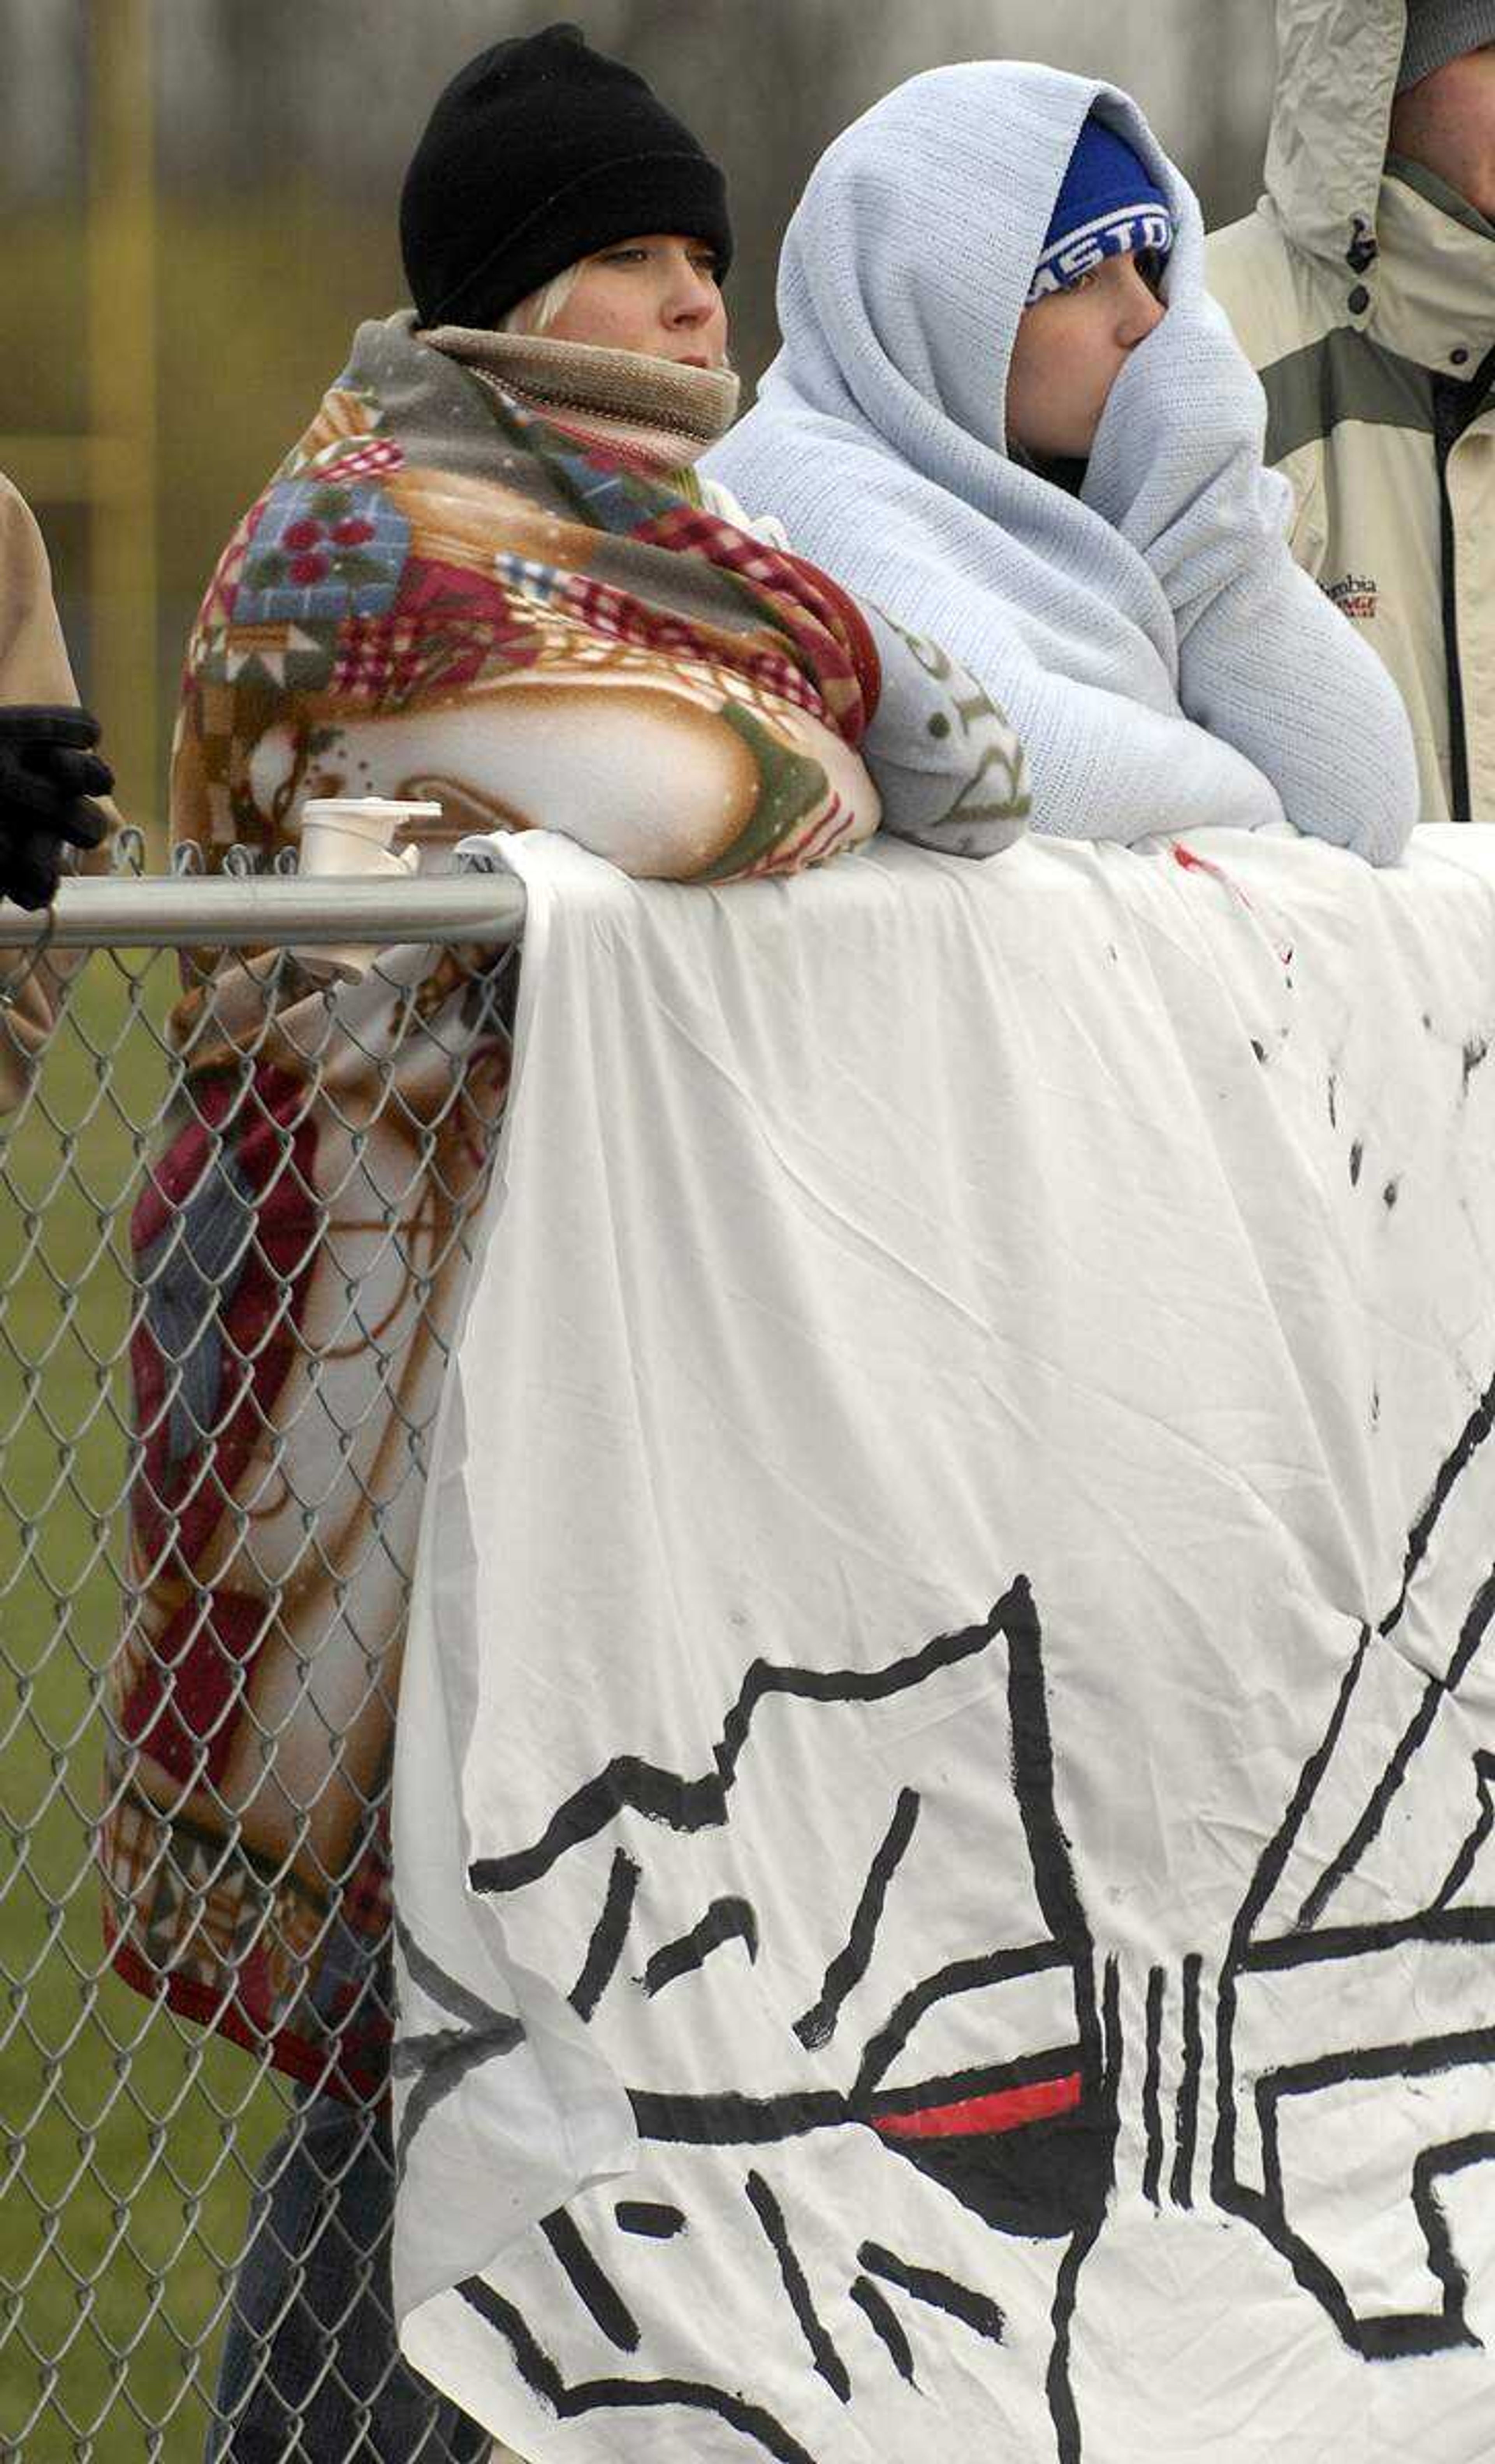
[[944, 1847]]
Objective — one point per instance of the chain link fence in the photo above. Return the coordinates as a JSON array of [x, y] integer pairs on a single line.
[[241, 1164]]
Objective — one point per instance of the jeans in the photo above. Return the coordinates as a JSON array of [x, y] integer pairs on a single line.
[[311, 2372]]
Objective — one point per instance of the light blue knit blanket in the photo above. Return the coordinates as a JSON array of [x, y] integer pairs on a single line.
[[1152, 640]]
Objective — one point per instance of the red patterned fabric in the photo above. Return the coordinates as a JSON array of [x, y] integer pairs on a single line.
[[806, 603], [445, 624], [251, 1333]]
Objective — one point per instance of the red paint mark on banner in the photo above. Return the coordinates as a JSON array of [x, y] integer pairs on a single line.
[[977, 2116]]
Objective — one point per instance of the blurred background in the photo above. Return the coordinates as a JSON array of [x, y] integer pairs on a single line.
[[200, 201]]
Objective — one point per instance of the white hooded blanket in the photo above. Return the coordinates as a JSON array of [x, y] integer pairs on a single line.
[[1163, 660], [945, 1808]]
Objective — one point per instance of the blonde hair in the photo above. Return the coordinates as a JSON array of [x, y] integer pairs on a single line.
[[539, 309]]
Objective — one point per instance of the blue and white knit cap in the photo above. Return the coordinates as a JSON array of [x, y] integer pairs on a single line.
[[1109, 205]]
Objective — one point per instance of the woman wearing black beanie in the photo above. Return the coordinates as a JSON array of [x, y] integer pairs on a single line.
[[454, 589], [541, 152]]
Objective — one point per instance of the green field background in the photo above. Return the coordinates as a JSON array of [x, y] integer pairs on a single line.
[[130, 2138]]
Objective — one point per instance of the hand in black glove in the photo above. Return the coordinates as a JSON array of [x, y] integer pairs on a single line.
[[48, 772]]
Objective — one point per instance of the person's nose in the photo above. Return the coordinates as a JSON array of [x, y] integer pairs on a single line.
[[1141, 313], [690, 296]]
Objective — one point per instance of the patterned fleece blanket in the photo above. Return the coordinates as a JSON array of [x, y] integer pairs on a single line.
[[433, 557], [439, 594]]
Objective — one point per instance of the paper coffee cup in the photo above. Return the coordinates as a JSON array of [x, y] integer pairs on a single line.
[[342, 836], [353, 833]]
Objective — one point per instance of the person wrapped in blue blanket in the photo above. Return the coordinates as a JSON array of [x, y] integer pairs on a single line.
[[1007, 413]]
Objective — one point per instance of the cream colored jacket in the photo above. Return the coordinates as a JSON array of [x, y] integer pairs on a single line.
[[1355, 286]]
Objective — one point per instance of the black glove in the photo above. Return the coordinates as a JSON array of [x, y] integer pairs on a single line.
[[48, 772]]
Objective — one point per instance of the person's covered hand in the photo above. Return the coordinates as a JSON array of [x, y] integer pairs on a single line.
[[49, 772], [1177, 464], [1187, 401]]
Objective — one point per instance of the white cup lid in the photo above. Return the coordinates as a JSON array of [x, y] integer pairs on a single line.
[[372, 808]]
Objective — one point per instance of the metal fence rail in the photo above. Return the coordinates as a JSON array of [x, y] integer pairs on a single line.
[[244, 911], [236, 1203]]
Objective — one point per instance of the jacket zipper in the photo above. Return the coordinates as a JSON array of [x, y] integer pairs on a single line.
[[1445, 434], [1456, 406]]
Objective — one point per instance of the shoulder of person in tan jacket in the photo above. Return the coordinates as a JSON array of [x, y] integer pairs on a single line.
[[51, 777], [1363, 290]]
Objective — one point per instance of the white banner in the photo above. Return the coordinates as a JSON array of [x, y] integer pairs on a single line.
[[946, 1765]]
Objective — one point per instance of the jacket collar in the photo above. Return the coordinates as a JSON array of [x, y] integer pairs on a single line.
[[1414, 266], [1434, 287], [1336, 79]]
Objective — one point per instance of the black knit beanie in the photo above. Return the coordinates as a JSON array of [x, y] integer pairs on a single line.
[[541, 151]]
